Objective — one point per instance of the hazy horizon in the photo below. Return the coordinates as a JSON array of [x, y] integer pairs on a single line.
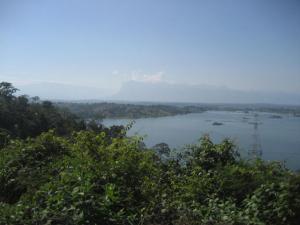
[[138, 92], [236, 51]]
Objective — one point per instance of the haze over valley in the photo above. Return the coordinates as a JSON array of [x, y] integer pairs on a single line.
[[138, 91]]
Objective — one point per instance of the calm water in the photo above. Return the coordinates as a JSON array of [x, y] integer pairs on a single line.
[[279, 138]]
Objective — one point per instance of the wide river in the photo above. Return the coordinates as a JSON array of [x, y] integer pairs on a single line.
[[277, 136]]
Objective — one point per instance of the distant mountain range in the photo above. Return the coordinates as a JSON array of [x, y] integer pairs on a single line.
[[166, 92], [158, 92]]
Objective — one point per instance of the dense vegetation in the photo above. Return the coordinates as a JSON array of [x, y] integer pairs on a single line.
[[132, 111], [100, 176], [91, 179], [21, 116]]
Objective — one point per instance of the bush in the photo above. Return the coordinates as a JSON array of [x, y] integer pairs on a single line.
[[95, 178]]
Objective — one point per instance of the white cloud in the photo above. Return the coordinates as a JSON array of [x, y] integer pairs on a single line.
[[148, 78]]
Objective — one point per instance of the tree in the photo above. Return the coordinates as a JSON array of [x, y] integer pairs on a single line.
[[23, 117], [7, 90]]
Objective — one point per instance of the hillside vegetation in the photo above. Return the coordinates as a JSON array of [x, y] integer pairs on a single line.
[[95, 175], [21, 116], [131, 111]]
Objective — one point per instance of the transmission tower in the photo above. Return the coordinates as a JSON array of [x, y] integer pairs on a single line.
[[256, 149]]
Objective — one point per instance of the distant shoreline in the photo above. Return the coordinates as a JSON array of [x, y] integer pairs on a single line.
[[107, 110]]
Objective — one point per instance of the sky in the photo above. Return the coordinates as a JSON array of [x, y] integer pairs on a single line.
[[251, 45]]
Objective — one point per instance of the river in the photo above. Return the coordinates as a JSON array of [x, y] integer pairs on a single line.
[[278, 136]]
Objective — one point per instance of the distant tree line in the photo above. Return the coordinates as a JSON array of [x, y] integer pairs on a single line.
[[131, 111], [104, 110]]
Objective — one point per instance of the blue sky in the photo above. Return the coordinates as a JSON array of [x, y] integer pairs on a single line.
[[239, 44]]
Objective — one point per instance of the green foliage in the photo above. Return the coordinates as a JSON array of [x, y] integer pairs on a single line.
[[21, 116], [207, 155], [25, 165], [92, 178], [7, 90]]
